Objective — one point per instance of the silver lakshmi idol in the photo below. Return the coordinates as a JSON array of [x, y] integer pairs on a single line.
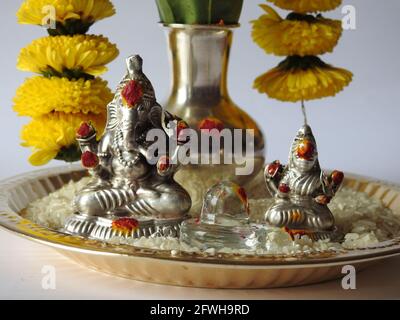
[[132, 192], [302, 191]]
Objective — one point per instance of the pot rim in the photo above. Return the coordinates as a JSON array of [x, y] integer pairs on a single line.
[[199, 26]]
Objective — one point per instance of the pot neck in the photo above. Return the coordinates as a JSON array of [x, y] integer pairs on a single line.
[[199, 59]]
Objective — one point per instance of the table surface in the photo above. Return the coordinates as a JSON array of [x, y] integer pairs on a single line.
[[23, 261]]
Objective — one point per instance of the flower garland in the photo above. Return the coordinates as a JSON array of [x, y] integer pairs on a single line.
[[67, 90], [301, 36]]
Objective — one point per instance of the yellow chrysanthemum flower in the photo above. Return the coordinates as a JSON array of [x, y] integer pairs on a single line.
[[303, 6], [301, 35], [69, 56], [53, 136], [301, 79], [38, 96], [88, 11]]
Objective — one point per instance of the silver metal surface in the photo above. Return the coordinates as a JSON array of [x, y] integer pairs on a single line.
[[199, 58], [302, 191], [101, 228], [124, 182]]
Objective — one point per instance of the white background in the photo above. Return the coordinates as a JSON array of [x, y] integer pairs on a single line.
[[357, 131]]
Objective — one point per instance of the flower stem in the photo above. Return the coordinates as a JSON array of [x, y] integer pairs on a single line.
[[303, 109]]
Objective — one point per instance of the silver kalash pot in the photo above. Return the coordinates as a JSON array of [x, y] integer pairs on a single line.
[[199, 57]]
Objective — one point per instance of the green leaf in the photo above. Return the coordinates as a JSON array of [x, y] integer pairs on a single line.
[[165, 11], [70, 27], [69, 154], [200, 11], [66, 73]]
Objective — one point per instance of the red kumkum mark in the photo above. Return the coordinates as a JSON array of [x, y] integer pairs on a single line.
[[163, 164], [305, 149], [337, 177], [293, 233], [85, 130], [132, 93], [89, 159], [125, 225], [180, 133], [273, 168], [211, 123], [241, 192], [284, 188]]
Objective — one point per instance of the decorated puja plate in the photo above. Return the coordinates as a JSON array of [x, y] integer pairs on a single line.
[[208, 269]]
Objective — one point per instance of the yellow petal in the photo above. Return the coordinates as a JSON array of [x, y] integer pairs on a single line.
[[272, 14], [42, 157], [71, 15], [96, 71]]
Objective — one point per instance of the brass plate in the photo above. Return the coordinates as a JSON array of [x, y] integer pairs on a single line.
[[193, 270]]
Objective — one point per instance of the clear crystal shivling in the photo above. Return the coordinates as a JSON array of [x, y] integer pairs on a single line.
[[128, 195], [302, 191], [224, 221]]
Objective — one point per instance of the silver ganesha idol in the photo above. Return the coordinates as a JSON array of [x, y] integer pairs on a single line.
[[132, 192]]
